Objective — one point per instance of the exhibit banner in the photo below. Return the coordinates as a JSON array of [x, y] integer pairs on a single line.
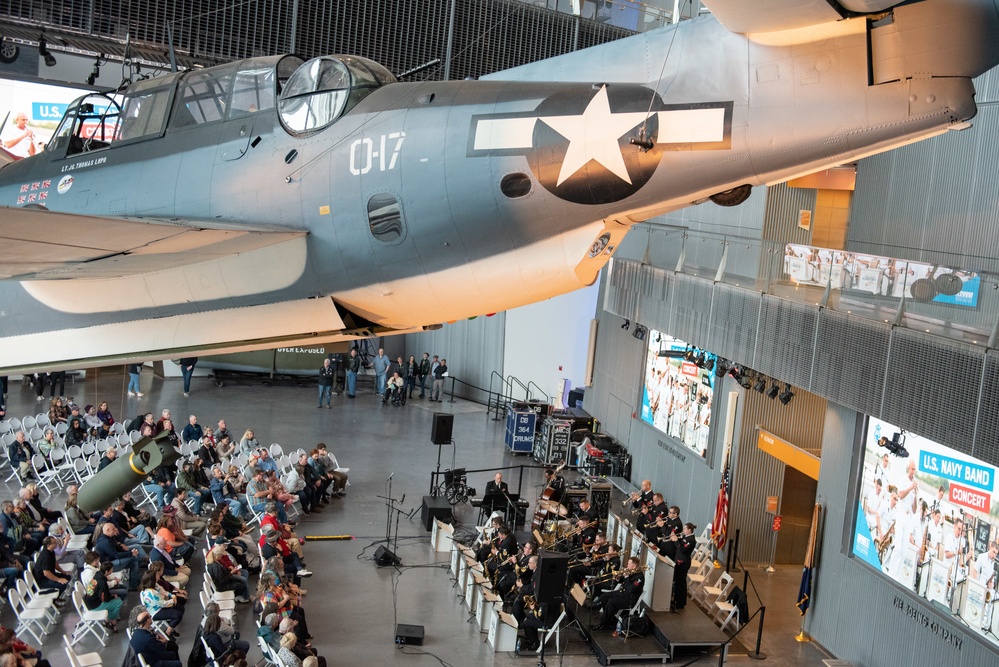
[[678, 394], [884, 276], [927, 518], [30, 113]]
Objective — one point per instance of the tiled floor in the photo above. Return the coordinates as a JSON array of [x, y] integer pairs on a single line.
[[353, 605]]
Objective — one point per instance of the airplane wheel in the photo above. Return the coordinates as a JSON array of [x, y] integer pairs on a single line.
[[9, 52], [732, 197]]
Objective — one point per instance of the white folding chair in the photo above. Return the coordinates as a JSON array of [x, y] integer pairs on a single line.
[[276, 450], [61, 429], [42, 420], [116, 428], [33, 621], [29, 423], [719, 591], [81, 659], [91, 621], [45, 602], [45, 475], [697, 577]]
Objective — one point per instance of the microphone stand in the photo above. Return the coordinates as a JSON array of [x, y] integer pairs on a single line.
[[392, 543], [510, 506]]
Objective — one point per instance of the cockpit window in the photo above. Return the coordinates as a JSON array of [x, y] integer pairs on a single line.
[[252, 91], [91, 123], [203, 97], [144, 113], [324, 88]]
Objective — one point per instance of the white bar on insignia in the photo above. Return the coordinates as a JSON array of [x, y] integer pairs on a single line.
[[504, 133], [683, 126]]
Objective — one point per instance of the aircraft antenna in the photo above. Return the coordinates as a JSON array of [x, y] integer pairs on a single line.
[[642, 140]]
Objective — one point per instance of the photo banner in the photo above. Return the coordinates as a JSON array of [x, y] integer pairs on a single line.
[[42, 107]]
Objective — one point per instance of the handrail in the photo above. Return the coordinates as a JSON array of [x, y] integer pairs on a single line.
[[527, 392], [531, 383]]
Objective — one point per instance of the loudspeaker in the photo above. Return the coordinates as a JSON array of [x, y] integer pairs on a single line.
[[440, 433], [385, 556], [435, 507], [549, 582], [409, 634]]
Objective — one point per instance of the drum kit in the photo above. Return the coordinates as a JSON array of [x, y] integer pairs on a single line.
[[550, 523]]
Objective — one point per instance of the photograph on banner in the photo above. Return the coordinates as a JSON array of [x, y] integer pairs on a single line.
[[884, 276], [678, 393], [30, 113], [927, 517]]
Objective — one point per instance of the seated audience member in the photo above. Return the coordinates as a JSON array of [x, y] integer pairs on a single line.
[[285, 653], [97, 593], [187, 481], [92, 423], [225, 448], [185, 519], [81, 522], [19, 455], [62, 551], [226, 574], [46, 443], [112, 550], [109, 457], [248, 443], [268, 630], [302, 650], [35, 501], [180, 594], [160, 605], [105, 417], [226, 629], [330, 465], [17, 653], [394, 390], [48, 574], [220, 643], [174, 572], [177, 543], [145, 643], [223, 492]]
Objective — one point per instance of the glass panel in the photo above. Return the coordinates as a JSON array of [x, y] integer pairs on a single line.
[[385, 217], [252, 91], [144, 114], [202, 98]]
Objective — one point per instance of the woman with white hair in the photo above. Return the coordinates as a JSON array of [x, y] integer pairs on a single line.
[[286, 655]]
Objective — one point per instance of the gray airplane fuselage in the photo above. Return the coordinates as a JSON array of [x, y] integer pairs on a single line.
[[509, 191]]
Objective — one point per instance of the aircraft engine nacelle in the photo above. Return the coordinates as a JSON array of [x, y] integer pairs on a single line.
[[126, 472]]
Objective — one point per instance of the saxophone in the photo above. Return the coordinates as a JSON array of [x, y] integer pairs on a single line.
[[885, 541]]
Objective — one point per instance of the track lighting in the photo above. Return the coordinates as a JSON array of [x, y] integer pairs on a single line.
[[761, 384], [774, 390], [721, 368], [44, 52], [786, 395], [96, 73]]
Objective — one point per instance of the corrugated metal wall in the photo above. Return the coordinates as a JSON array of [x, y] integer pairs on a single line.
[[473, 349], [780, 222], [942, 389], [758, 474]]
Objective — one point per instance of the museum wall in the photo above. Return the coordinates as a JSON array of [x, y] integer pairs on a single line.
[[849, 599]]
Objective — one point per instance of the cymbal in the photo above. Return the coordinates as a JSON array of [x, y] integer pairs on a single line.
[[552, 506]]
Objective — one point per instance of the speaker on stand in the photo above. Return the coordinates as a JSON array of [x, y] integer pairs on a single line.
[[443, 425], [549, 582]]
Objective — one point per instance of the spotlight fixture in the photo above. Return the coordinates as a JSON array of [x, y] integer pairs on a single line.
[[721, 368], [639, 332], [44, 52], [774, 390], [761, 384], [786, 395], [746, 382], [736, 374], [96, 71], [689, 354], [699, 359], [896, 445], [709, 365], [626, 325]]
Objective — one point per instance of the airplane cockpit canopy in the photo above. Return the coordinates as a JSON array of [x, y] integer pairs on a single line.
[[323, 89]]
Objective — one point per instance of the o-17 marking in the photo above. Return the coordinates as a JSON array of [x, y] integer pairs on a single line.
[[363, 153]]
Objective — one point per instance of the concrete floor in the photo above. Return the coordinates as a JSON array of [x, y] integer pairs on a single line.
[[352, 604]]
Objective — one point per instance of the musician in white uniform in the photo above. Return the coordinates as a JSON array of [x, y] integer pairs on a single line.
[[983, 567]]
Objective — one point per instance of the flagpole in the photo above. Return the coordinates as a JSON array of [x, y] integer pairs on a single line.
[[722, 506], [807, 574]]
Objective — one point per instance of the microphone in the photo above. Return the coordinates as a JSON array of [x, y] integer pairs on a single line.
[[403, 501], [390, 477]]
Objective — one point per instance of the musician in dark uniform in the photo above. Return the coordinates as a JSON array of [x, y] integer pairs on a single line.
[[554, 485], [505, 547], [685, 544], [657, 510], [601, 573], [593, 562], [497, 487], [517, 567], [631, 589], [531, 624], [524, 588], [489, 536], [641, 500], [585, 508], [584, 539], [671, 525]]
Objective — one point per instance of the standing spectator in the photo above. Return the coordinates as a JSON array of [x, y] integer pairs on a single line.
[[193, 430], [57, 377], [353, 367], [326, 376], [424, 371], [381, 366], [40, 379], [440, 372], [133, 379], [187, 370], [412, 372]]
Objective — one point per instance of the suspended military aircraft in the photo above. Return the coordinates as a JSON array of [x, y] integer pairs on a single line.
[[279, 202]]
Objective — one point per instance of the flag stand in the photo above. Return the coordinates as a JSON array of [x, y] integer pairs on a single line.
[[801, 636]]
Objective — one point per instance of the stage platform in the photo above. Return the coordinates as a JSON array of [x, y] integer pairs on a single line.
[[688, 628], [671, 632]]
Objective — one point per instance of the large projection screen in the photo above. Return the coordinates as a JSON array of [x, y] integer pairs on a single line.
[[929, 522], [677, 395]]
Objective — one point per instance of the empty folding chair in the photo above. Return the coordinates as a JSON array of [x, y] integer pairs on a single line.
[[42, 420], [45, 602], [718, 591], [81, 659], [117, 428], [33, 621], [29, 423], [44, 475], [61, 429]]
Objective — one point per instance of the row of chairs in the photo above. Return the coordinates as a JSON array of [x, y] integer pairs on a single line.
[[710, 588]]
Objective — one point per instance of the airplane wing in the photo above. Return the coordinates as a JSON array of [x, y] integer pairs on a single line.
[[40, 244], [773, 15]]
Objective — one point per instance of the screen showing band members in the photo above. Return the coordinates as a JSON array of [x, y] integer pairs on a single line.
[[927, 518], [678, 393], [30, 113]]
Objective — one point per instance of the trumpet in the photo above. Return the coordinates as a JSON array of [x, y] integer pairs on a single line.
[[529, 601]]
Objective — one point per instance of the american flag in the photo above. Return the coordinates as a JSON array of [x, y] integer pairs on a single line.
[[719, 528]]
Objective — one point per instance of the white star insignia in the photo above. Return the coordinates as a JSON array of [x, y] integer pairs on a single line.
[[594, 135]]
